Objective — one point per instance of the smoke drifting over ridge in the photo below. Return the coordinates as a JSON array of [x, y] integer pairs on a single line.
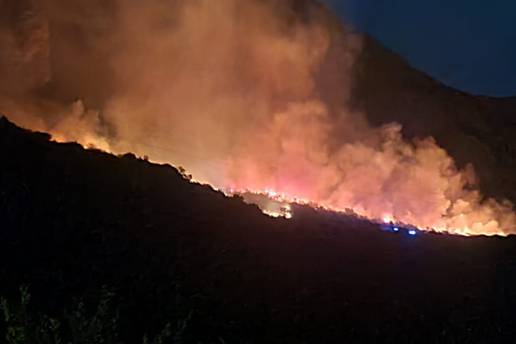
[[246, 95]]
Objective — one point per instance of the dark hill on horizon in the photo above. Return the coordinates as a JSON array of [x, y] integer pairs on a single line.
[[473, 129], [74, 220]]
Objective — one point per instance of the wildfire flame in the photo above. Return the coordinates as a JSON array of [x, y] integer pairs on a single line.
[[278, 204], [251, 97]]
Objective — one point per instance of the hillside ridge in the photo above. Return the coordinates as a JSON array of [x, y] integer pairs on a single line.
[[74, 220]]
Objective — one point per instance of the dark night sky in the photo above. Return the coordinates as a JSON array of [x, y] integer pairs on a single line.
[[467, 44]]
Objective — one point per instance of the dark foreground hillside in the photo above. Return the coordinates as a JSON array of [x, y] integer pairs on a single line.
[[73, 220]]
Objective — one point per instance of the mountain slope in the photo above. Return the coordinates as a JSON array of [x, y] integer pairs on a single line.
[[473, 129], [74, 220]]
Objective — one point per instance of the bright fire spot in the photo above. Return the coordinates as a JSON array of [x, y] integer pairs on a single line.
[[387, 219], [269, 205]]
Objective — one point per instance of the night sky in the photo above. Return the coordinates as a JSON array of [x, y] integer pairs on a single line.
[[467, 44]]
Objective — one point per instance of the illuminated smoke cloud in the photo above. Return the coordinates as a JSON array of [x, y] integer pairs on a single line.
[[246, 95]]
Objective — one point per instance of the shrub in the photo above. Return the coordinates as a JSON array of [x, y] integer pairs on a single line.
[[76, 326]]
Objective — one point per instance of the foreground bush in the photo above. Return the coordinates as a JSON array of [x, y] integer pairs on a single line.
[[78, 325]]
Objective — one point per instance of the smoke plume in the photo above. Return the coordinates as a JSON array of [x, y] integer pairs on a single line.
[[245, 95]]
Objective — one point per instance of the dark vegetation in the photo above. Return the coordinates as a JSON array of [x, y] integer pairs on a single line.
[[171, 252], [78, 325]]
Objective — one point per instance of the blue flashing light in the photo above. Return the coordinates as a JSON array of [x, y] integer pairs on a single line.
[[412, 232], [395, 229]]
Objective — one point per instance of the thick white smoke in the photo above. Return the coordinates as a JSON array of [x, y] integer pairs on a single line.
[[248, 95]]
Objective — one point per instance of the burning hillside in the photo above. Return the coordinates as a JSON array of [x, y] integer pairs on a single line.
[[75, 220], [246, 95]]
